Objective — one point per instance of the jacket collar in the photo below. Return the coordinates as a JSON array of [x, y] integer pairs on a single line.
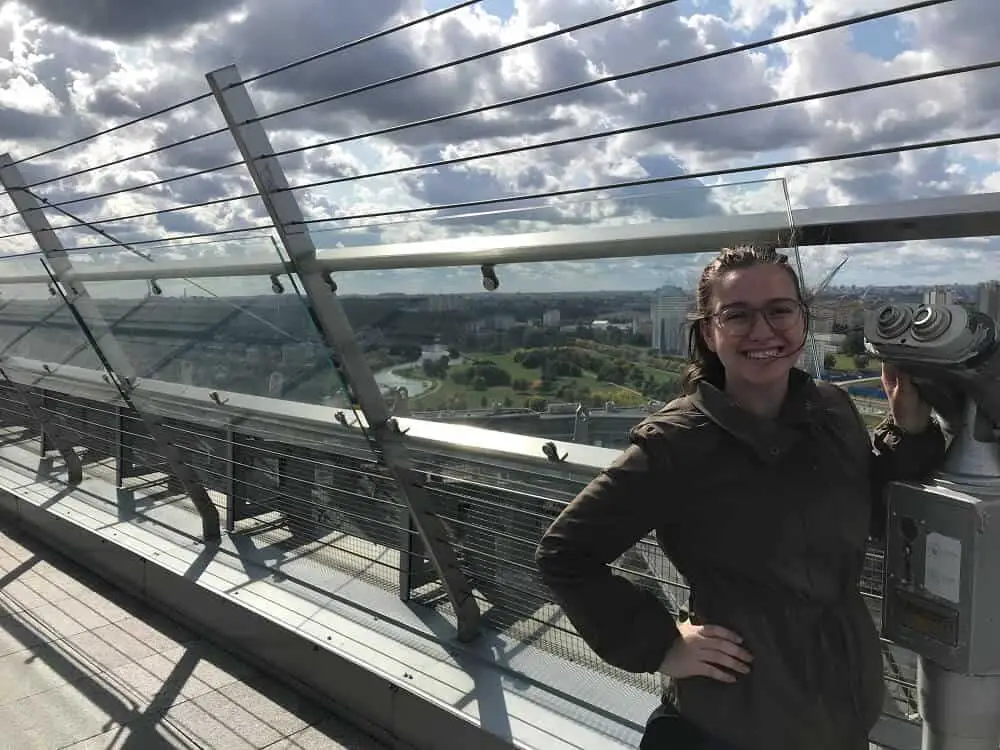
[[771, 439]]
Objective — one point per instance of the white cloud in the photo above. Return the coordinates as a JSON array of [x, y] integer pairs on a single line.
[[64, 74]]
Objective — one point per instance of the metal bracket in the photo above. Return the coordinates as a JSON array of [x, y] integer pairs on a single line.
[[330, 319], [551, 452], [116, 363]]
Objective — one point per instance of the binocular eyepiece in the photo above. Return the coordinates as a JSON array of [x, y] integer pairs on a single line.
[[945, 336], [950, 352]]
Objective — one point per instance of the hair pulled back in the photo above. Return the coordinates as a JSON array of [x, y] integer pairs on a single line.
[[703, 363]]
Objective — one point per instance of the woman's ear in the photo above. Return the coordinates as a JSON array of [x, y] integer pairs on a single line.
[[705, 329]]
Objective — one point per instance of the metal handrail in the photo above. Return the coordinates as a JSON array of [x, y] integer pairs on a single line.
[[311, 421], [930, 218]]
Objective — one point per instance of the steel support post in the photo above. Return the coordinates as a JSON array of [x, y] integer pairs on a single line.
[[50, 435], [105, 344], [232, 491], [328, 313], [124, 455]]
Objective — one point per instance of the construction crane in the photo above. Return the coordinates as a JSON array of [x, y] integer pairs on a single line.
[[811, 297], [819, 288]]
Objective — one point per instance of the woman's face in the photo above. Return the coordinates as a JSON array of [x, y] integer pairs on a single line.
[[757, 325]]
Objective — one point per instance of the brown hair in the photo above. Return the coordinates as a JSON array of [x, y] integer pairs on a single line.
[[703, 363]]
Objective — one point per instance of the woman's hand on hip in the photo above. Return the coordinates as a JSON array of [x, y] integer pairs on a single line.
[[706, 651]]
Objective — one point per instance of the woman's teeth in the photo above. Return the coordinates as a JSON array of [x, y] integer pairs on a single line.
[[764, 354]]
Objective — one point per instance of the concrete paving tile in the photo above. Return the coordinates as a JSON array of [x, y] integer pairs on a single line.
[[14, 636], [112, 605], [32, 671], [18, 596], [56, 718], [62, 619], [332, 734], [232, 729], [158, 682], [157, 632], [274, 704], [212, 665], [107, 647], [148, 733], [85, 666], [7, 563]]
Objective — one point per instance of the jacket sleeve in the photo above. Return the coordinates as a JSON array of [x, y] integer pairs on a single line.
[[626, 625], [900, 456]]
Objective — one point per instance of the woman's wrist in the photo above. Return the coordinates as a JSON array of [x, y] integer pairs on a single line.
[[913, 427]]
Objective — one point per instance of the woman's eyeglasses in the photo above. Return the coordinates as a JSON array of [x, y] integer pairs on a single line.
[[780, 314]]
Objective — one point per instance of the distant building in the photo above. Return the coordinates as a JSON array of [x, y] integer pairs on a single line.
[[826, 343], [551, 318], [842, 314], [939, 296], [499, 322], [669, 311], [440, 303], [988, 298]]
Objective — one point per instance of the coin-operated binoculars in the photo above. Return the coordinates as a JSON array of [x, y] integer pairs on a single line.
[[942, 564]]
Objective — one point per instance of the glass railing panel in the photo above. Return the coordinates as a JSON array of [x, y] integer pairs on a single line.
[[607, 208], [36, 325], [227, 370], [48, 370], [443, 348], [247, 334]]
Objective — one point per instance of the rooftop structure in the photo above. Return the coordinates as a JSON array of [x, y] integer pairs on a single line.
[[208, 428]]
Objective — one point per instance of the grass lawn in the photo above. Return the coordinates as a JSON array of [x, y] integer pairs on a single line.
[[845, 363], [447, 391]]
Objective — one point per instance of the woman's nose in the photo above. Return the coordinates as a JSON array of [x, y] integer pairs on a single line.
[[760, 328]]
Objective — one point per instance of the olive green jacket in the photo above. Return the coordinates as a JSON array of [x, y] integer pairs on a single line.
[[768, 521]]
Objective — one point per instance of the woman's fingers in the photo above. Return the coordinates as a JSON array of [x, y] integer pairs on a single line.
[[730, 650], [726, 641], [717, 631], [725, 660]]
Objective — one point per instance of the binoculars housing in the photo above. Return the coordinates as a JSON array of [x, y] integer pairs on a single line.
[[950, 352]]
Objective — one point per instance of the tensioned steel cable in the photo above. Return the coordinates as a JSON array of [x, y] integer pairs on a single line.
[[572, 88], [256, 233], [362, 40], [79, 223], [252, 233], [124, 159], [472, 58], [745, 169], [513, 102], [805, 161], [655, 125], [288, 66], [130, 189], [115, 128], [193, 139], [919, 77], [379, 84]]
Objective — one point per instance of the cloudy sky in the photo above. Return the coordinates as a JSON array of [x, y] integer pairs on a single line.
[[69, 69]]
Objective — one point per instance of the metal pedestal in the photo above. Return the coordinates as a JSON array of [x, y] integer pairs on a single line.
[[960, 712]]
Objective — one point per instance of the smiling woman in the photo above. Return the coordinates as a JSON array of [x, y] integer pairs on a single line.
[[751, 328], [762, 488]]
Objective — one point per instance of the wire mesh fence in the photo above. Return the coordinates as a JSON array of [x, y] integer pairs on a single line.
[[332, 501]]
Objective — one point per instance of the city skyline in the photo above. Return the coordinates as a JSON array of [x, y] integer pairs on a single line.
[[70, 74]]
